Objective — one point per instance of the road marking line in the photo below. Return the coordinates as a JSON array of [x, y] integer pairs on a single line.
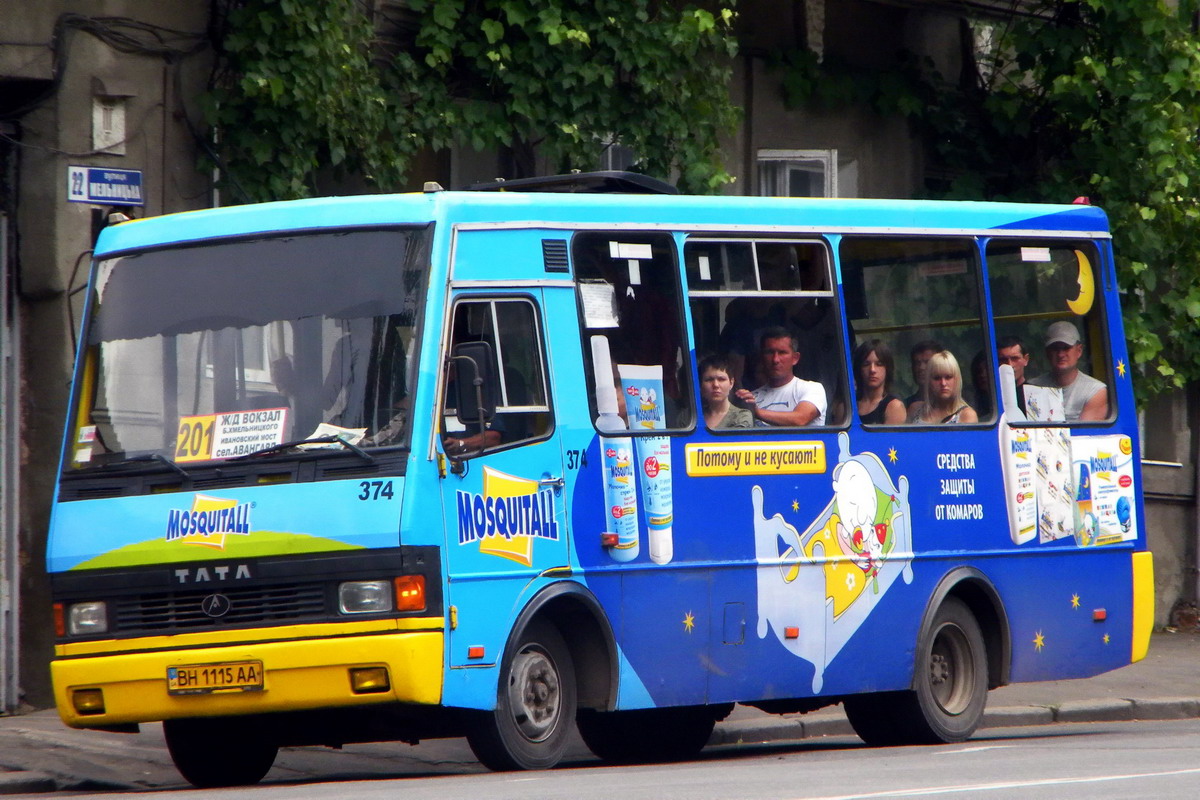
[[989, 787], [979, 749]]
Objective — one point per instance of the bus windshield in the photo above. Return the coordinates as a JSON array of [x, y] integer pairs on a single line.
[[213, 352]]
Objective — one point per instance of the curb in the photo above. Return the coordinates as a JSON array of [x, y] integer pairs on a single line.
[[1119, 710], [26, 783]]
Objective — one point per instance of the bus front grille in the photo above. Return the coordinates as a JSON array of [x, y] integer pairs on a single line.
[[275, 604]]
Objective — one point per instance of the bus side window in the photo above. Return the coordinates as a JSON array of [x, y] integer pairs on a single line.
[[920, 297], [628, 289], [740, 289], [1050, 327], [511, 327]]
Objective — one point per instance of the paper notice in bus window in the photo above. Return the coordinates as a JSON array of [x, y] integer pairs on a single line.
[[599, 304], [626, 250], [237, 433], [244, 432], [1035, 253], [935, 269], [705, 268], [1044, 403]]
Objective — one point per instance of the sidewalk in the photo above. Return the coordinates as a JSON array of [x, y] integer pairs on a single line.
[[40, 754]]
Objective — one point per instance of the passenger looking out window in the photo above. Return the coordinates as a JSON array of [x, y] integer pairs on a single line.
[[716, 386], [1084, 397], [1011, 351], [783, 399], [873, 369], [919, 359], [943, 393]]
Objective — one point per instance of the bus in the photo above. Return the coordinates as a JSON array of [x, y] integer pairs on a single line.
[[452, 463]]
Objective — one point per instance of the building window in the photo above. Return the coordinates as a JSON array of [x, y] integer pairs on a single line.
[[798, 173], [108, 125]]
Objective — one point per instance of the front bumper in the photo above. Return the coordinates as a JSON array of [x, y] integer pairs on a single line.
[[308, 670]]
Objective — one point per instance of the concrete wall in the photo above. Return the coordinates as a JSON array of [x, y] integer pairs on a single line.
[[1169, 492], [54, 235]]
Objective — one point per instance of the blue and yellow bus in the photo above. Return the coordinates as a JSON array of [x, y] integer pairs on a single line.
[[494, 463]]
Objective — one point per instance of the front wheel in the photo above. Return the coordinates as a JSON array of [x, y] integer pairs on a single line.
[[535, 704], [947, 702], [212, 753]]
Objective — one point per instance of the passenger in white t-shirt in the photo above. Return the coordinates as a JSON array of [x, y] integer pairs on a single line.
[[784, 399]]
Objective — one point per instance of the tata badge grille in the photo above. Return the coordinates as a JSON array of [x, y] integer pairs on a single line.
[[197, 608]]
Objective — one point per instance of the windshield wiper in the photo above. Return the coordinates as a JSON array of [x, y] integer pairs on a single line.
[[160, 459], [276, 448]]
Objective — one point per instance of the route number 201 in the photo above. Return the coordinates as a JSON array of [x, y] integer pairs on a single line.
[[194, 441], [375, 490]]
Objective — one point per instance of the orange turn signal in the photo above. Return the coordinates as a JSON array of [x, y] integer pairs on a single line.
[[410, 593]]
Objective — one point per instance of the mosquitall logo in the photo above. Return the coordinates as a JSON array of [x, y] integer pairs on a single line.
[[507, 517], [209, 521]]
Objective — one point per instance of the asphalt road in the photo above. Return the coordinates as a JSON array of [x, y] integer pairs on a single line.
[[1068, 762]]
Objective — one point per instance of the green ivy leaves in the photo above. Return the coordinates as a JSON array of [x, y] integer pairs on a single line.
[[304, 88], [1079, 97]]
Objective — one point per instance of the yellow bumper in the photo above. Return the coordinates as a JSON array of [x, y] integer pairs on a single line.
[[298, 673], [1143, 603]]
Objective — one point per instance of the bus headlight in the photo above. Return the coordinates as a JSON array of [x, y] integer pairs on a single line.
[[87, 618], [365, 597]]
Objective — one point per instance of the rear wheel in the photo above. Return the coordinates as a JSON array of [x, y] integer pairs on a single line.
[[211, 753], [951, 688], [652, 734], [535, 704]]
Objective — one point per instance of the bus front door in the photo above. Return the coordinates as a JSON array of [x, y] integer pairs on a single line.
[[503, 491]]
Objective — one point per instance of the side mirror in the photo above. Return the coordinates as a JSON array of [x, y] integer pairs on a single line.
[[475, 386]]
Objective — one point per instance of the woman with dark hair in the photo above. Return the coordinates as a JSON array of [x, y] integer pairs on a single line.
[[716, 386], [873, 368]]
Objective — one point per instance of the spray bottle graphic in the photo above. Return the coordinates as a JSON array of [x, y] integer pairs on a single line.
[[616, 451]]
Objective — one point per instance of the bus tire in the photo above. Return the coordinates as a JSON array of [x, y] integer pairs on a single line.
[[535, 704], [647, 735], [946, 705], [213, 753]]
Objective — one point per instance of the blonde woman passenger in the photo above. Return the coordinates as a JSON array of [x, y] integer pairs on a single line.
[[943, 401]]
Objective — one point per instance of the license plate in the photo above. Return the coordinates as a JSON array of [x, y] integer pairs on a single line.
[[240, 676]]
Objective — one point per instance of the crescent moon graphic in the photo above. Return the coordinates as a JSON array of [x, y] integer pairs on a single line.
[[1087, 286]]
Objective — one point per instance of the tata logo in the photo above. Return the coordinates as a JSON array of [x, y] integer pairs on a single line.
[[215, 605], [236, 572], [507, 517]]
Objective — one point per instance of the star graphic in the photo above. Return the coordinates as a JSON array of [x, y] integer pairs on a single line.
[[1074, 601], [795, 505], [1107, 638], [689, 622], [892, 455], [1121, 368], [1039, 641]]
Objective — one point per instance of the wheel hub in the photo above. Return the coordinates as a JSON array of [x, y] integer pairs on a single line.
[[951, 670], [534, 695]]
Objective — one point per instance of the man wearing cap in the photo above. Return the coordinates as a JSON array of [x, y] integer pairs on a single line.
[[1084, 397]]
